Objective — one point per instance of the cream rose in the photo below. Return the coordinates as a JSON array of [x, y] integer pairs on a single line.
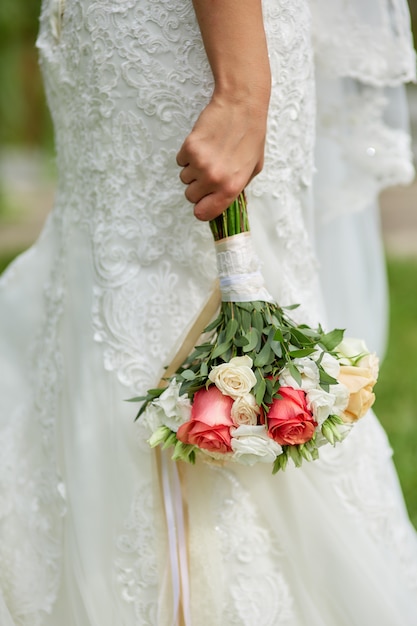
[[245, 411], [360, 381], [251, 444], [350, 349], [235, 378]]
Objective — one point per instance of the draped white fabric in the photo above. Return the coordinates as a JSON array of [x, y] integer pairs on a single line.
[[91, 314]]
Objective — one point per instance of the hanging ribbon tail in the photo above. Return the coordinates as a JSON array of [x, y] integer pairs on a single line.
[[177, 543]]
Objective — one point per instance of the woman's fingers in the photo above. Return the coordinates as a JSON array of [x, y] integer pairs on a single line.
[[223, 152]]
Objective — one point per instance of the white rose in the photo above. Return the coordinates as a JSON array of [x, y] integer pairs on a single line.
[[235, 378], [341, 393], [251, 444], [152, 417], [175, 409], [309, 375], [350, 348], [330, 365], [245, 411], [324, 403]]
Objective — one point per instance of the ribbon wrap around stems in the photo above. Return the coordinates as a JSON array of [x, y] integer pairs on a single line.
[[239, 271]]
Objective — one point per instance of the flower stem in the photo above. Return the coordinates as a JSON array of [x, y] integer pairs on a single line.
[[232, 221]]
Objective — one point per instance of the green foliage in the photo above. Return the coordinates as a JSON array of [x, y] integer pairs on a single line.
[[23, 113], [396, 391]]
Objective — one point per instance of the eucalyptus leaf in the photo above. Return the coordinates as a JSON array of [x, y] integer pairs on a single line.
[[279, 336], [188, 374], [326, 378], [257, 321], [264, 356], [297, 354], [260, 389], [332, 339], [253, 337], [240, 341], [294, 372], [220, 349], [231, 329], [214, 324]]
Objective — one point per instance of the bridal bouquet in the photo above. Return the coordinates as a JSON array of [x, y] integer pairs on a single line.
[[258, 387]]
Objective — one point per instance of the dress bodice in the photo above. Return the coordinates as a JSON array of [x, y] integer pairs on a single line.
[[125, 81]]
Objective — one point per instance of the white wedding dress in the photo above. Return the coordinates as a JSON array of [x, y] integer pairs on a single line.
[[94, 310]]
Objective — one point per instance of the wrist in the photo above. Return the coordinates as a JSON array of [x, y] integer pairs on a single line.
[[252, 95]]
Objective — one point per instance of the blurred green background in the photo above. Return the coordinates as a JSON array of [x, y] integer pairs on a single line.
[[27, 181]]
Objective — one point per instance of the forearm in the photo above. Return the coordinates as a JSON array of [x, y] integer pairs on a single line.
[[234, 39], [225, 148]]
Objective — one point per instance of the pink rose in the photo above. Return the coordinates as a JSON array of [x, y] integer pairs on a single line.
[[210, 422], [289, 420]]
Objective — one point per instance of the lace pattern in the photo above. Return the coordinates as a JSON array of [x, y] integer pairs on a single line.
[[257, 589], [32, 494], [373, 502], [126, 79]]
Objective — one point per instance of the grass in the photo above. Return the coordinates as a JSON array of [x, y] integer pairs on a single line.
[[396, 392], [396, 404]]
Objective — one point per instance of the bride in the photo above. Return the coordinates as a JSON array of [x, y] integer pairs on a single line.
[[148, 97]]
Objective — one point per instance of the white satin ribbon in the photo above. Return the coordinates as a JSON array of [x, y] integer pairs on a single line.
[[174, 515], [239, 270]]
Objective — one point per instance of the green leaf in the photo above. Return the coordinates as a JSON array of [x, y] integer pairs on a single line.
[[332, 339], [188, 374], [231, 329], [253, 337], [257, 321], [279, 336], [220, 349], [246, 321], [297, 354], [264, 356], [276, 348], [290, 307], [204, 369], [299, 337], [326, 379], [260, 389], [214, 324], [294, 372], [241, 341], [137, 399]]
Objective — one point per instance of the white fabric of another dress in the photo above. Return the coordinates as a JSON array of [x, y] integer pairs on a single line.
[[92, 314]]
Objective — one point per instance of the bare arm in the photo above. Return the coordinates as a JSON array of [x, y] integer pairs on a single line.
[[225, 148]]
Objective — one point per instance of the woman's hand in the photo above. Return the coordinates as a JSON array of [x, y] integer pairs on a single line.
[[223, 152], [225, 149]]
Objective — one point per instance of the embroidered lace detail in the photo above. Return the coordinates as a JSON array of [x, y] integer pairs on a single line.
[[374, 502], [364, 150], [136, 565], [122, 81], [256, 589]]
